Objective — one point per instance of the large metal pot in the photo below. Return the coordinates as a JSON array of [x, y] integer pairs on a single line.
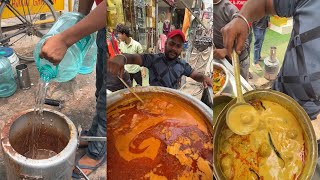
[[118, 99], [16, 132], [289, 104], [220, 102], [119, 96]]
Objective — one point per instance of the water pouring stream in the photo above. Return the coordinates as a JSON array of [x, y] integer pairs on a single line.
[[34, 151]]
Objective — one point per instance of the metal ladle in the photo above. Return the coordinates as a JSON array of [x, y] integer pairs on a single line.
[[135, 94], [241, 117]]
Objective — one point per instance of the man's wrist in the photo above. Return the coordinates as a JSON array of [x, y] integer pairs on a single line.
[[124, 58], [237, 15], [67, 39]]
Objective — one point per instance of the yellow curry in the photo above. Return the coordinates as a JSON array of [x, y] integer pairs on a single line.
[[163, 138], [274, 150], [243, 119]]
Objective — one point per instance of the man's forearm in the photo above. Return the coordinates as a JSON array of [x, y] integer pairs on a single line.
[[92, 22], [133, 59], [197, 77], [254, 10], [85, 6]]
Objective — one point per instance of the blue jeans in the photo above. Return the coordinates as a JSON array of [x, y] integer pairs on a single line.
[[244, 68], [250, 39], [259, 34], [97, 149]]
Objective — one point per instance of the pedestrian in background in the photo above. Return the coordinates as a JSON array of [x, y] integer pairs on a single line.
[[130, 46], [259, 31]]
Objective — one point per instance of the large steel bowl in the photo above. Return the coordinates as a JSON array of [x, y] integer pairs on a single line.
[[224, 69], [291, 105]]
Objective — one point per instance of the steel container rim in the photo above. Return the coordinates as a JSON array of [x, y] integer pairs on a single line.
[[116, 96], [63, 156]]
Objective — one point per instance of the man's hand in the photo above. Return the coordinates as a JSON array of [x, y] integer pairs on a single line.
[[54, 49], [207, 82], [116, 65], [220, 53], [199, 77], [235, 31], [143, 72]]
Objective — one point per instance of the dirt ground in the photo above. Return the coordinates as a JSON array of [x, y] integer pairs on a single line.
[[79, 105]]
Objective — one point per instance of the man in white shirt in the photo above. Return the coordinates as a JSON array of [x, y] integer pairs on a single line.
[[130, 46]]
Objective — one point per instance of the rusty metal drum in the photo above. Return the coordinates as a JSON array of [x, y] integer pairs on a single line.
[[57, 134]]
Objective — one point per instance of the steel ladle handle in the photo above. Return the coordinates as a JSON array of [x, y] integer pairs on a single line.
[[236, 65]]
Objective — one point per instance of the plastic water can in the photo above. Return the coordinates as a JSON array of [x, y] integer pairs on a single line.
[[13, 58], [72, 61], [7, 82], [89, 60]]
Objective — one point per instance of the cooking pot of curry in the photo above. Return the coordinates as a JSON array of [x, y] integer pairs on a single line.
[[168, 136], [283, 146]]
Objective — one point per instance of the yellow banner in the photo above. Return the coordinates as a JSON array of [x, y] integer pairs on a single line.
[[34, 6], [114, 13], [278, 21]]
